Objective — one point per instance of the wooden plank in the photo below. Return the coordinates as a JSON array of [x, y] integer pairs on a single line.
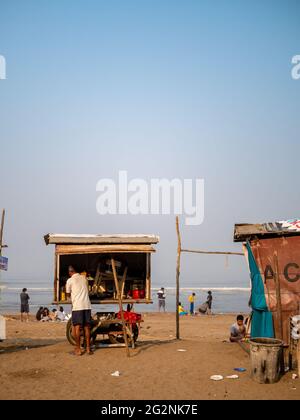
[[109, 301], [98, 249], [148, 276], [57, 277], [122, 282], [55, 238]]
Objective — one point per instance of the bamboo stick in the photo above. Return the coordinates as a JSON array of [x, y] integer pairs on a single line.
[[278, 295], [120, 306], [212, 252], [1, 230], [177, 277]]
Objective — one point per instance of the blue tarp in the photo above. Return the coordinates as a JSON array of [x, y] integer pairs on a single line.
[[262, 320]]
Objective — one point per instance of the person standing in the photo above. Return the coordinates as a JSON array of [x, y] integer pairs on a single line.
[[192, 299], [209, 302], [24, 297], [77, 289], [161, 295]]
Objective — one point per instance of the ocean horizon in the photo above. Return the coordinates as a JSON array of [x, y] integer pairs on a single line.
[[226, 299]]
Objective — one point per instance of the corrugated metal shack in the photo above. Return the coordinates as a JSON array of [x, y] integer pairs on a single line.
[[93, 253], [275, 249]]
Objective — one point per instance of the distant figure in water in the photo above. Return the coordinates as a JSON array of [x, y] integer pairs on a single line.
[[209, 302], [24, 297], [238, 330], [181, 310]]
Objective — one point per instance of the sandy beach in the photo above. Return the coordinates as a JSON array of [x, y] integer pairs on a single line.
[[35, 364]]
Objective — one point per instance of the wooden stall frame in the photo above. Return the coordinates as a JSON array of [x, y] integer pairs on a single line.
[[61, 250], [180, 250]]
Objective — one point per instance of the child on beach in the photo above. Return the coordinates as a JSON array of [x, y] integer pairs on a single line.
[[238, 330], [181, 310]]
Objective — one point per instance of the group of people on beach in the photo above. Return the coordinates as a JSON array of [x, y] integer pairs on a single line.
[[238, 330], [204, 308], [43, 314]]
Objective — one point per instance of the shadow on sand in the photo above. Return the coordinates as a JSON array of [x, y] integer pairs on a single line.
[[10, 346], [145, 345]]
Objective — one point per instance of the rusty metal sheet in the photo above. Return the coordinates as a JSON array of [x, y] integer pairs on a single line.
[[288, 251]]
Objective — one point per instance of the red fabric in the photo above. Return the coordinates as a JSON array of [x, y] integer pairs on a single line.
[[131, 317]]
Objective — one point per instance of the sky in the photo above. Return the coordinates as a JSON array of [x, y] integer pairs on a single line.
[[162, 89]]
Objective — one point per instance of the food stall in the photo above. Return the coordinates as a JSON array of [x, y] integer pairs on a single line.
[[117, 269], [93, 253]]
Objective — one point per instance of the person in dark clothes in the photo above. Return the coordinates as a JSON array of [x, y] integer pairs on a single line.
[[209, 302], [24, 297], [39, 313]]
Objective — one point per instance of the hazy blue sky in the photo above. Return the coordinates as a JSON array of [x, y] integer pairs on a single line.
[[162, 89]]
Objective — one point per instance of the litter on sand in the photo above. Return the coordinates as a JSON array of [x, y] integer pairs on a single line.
[[181, 350], [232, 377], [239, 369], [216, 378], [294, 376], [116, 373]]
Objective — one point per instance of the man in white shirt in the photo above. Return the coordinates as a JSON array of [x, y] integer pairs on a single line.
[[77, 289]]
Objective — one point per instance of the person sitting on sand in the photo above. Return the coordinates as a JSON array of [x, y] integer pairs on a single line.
[[45, 315], [53, 315], [39, 313], [60, 314], [203, 308], [238, 330], [181, 310]]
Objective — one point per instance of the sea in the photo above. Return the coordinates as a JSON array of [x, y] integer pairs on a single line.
[[225, 299]]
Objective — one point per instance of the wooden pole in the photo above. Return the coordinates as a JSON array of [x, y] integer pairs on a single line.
[[278, 295], [1, 230], [177, 276], [212, 252], [120, 306]]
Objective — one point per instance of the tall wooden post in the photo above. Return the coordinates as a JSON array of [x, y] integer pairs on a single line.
[[120, 304], [1, 230], [278, 295], [177, 277]]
